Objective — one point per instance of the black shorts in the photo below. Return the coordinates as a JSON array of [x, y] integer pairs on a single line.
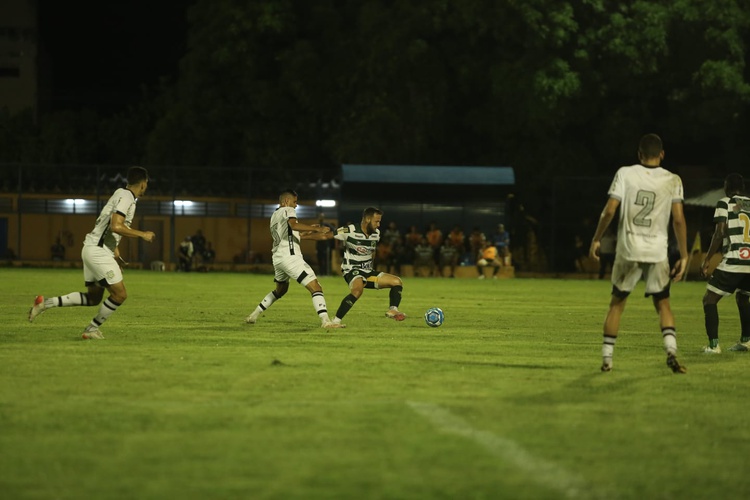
[[370, 277], [726, 283]]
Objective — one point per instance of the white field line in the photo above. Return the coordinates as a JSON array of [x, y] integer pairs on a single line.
[[542, 471]]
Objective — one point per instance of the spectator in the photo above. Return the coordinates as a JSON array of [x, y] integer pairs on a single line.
[[209, 255], [449, 254], [424, 257], [501, 238], [488, 257], [185, 253], [435, 240], [412, 239], [199, 246], [58, 250], [476, 242], [391, 234]]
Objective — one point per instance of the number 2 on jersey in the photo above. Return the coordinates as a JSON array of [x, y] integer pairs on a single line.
[[646, 199]]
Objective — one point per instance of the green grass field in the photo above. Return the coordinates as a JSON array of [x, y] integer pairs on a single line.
[[505, 400]]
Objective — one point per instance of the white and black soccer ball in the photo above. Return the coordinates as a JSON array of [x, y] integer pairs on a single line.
[[434, 317]]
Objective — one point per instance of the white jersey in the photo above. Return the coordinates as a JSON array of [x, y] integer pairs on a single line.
[[122, 202], [646, 195], [735, 212], [359, 249], [285, 241]]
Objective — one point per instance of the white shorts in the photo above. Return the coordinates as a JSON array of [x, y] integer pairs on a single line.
[[626, 274], [293, 267], [99, 266]]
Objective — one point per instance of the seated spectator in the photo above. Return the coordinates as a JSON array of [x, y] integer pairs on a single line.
[[424, 257], [449, 255], [501, 238], [488, 257], [185, 254], [58, 251], [476, 242]]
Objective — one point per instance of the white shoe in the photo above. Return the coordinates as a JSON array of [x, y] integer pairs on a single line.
[[606, 367], [395, 314], [331, 324], [38, 308], [92, 334], [711, 350], [251, 319], [481, 277], [741, 347]]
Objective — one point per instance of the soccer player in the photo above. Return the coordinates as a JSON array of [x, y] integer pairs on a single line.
[[646, 195], [732, 218], [100, 257], [360, 244], [288, 262]]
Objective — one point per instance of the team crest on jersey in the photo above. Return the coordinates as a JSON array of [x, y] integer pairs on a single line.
[[362, 250], [741, 205], [744, 253]]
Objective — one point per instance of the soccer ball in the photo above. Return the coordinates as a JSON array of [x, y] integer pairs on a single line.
[[434, 317]]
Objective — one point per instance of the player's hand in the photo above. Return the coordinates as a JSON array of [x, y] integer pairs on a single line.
[[148, 236], [704, 268], [325, 229], [594, 250], [679, 269]]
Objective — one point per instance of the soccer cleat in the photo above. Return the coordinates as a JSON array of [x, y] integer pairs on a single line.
[[395, 314], [38, 308], [606, 367], [675, 365], [92, 334], [331, 324], [711, 350], [740, 347], [251, 319], [480, 277]]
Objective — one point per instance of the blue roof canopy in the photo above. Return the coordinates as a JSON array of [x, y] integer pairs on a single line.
[[426, 174]]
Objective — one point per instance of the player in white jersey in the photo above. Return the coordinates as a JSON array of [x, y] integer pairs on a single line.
[[646, 195], [731, 236], [360, 245], [288, 262], [101, 257]]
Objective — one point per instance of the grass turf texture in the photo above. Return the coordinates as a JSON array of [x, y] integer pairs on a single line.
[[505, 400]]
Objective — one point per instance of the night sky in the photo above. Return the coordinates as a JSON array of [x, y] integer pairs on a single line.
[[98, 55]]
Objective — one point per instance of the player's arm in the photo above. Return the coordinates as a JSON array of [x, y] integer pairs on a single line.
[[301, 227], [716, 241], [310, 235], [680, 231], [605, 218], [117, 225]]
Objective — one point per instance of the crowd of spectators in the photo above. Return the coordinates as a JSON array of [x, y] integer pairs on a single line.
[[434, 252]]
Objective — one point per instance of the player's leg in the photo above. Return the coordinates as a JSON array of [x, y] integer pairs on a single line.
[[357, 284], [623, 281], [720, 284], [743, 307], [396, 287], [100, 271], [282, 286], [658, 281], [711, 321]]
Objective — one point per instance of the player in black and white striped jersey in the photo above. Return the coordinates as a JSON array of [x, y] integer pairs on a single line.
[[101, 257], [732, 237], [358, 266]]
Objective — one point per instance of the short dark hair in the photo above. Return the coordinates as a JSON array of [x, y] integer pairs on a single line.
[[650, 146], [734, 184], [370, 211], [136, 175]]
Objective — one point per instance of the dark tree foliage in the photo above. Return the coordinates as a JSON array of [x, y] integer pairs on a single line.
[[553, 88]]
